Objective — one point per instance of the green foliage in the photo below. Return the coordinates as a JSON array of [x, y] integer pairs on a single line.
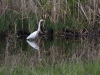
[[32, 22], [7, 21], [27, 14], [63, 68]]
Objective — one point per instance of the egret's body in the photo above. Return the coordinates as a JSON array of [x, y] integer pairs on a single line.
[[35, 33]]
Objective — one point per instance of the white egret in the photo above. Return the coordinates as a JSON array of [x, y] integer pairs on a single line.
[[35, 33]]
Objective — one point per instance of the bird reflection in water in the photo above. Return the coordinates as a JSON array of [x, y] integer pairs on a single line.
[[35, 46]]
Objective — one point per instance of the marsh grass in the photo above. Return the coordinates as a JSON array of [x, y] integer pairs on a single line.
[[64, 67], [23, 14]]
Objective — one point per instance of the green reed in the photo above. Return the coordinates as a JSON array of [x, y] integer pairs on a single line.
[[64, 67], [23, 14]]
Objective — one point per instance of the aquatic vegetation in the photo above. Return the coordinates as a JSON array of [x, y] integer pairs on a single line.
[[64, 67], [58, 57], [24, 15]]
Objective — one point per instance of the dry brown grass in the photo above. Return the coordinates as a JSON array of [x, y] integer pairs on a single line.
[[71, 13], [91, 11]]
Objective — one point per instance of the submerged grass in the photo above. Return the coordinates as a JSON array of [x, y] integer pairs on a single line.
[[62, 68]]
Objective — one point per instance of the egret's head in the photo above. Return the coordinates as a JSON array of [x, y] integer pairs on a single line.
[[41, 20]]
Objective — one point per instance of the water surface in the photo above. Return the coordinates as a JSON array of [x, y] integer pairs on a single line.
[[47, 50]]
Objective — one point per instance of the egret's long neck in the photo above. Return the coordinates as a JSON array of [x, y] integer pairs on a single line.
[[39, 26]]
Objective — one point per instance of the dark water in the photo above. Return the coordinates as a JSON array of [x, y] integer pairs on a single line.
[[47, 50]]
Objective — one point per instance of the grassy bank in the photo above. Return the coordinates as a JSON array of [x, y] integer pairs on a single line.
[[62, 68], [59, 15]]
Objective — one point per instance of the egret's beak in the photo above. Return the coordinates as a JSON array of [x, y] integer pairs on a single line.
[[43, 21]]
